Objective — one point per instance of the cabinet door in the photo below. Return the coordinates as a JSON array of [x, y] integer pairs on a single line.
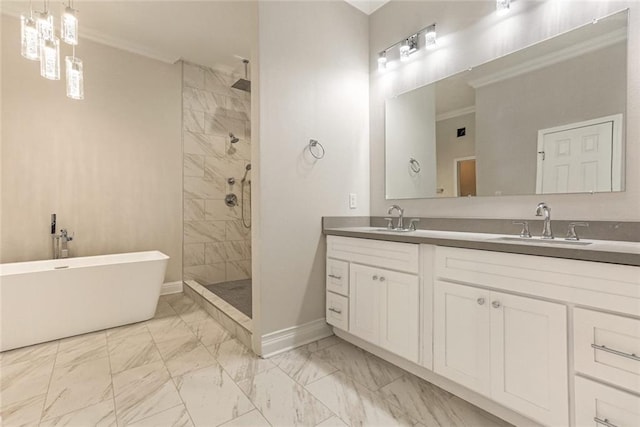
[[399, 314], [461, 335], [529, 357], [597, 404], [364, 303]]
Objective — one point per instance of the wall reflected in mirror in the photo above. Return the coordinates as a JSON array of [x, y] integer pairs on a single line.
[[546, 119]]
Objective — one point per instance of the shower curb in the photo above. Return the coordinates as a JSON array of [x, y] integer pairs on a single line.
[[234, 321]]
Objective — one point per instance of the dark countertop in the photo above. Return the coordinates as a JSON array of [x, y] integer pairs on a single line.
[[615, 252]]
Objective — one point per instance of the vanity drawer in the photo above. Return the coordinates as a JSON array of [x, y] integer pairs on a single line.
[[338, 276], [377, 253], [607, 347], [337, 311], [597, 404]]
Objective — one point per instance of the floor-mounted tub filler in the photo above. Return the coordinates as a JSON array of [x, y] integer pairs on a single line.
[[46, 300]]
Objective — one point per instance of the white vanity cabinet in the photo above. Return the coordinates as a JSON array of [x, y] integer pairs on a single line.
[[512, 349], [555, 341], [383, 292]]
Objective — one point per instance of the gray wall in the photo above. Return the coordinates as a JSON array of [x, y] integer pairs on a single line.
[[313, 77], [470, 33], [511, 112], [110, 166]]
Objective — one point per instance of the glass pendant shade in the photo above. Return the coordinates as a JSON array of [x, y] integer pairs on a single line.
[[502, 6], [75, 77], [50, 59], [29, 38], [44, 21], [69, 26]]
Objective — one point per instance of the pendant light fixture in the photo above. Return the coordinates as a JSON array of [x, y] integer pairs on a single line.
[[69, 25], [39, 41], [75, 77], [30, 44]]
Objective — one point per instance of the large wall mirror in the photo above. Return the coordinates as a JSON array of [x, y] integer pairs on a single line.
[[549, 118]]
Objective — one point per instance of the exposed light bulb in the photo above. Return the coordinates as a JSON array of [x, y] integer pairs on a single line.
[[502, 7], [44, 23], [404, 50], [69, 26], [382, 60], [430, 37], [29, 38], [75, 77], [50, 59]]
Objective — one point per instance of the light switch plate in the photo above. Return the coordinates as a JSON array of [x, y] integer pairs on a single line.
[[353, 201]]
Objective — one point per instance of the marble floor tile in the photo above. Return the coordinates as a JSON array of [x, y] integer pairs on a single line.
[[23, 413], [332, 422], [28, 354], [101, 414], [355, 404], [303, 366], [164, 309], [182, 303], [82, 348], [143, 391], [322, 343], [240, 362], [210, 332], [250, 419], [77, 386], [469, 415], [168, 328], [420, 399], [185, 354], [195, 315], [127, 331], [282, 401], [25, 380], [364, 367], [174, 417], [132, 351], [199, 389]]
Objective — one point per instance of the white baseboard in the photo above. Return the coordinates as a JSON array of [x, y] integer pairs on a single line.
[[171, 288], [286, 339]]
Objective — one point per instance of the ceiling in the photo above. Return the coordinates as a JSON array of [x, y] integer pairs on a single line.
[[367, 6], [210, 33]]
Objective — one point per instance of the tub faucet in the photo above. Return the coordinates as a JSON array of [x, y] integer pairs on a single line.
[[400, 225], [64, 240], [545, 211]]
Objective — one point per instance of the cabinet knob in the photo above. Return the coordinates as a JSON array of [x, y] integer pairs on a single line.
[[480, 301], [496, 304], [375, 277], [382, 279]]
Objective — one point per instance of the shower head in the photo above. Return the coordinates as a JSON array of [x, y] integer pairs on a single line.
[[234, 138], [248, 167], [243, 84]]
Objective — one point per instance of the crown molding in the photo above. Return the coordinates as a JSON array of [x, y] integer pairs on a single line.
[[456, 113], [561, 55]]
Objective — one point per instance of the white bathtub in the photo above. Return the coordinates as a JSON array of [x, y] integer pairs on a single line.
[[46, 300]]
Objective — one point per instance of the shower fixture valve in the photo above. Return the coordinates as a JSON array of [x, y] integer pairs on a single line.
[[231, 200], [231, 181]]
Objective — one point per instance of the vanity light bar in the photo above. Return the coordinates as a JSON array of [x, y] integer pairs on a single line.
[[409, 45]]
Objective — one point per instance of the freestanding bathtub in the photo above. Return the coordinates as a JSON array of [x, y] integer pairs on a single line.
[[46, 300]]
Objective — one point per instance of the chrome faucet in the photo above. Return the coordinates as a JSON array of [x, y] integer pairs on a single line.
[[545, 211], [64, 240], [400, 225]]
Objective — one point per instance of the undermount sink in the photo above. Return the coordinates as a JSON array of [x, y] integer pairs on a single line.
[[536, 240]]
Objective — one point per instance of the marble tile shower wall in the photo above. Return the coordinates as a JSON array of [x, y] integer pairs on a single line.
[[217, 247]]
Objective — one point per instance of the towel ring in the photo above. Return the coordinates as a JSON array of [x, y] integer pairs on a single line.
[[414, 165], [313, 148]]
